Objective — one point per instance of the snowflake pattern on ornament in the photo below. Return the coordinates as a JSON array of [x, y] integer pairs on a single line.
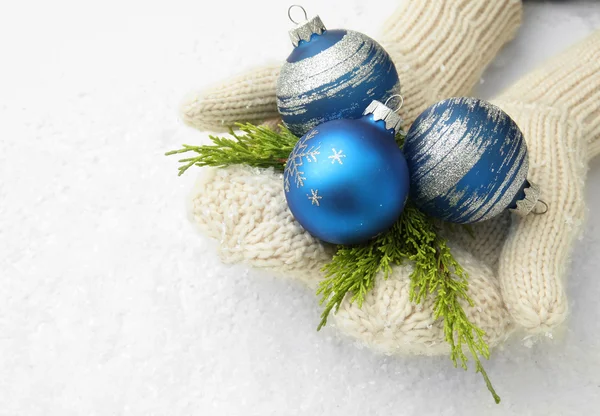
[[296, 160], [337, 156], [314, 197]]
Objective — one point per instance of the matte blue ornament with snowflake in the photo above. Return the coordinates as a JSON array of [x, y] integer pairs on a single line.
[[468, 162], [347, 180], [331, 74]]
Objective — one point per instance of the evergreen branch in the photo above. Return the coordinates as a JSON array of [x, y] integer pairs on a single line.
[[400, 138], [451, 286], [354, 268], [436, 273], [260, 146]]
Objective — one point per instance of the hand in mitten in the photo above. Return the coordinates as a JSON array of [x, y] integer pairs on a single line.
[[558, 109], [440, 48]]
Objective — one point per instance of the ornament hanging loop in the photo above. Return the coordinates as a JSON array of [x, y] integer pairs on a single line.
[[546, 208], [399, 105], [290, 13]]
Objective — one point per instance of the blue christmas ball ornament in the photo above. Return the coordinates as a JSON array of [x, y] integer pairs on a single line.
[[468, 162], [331, 74], [347, 180]]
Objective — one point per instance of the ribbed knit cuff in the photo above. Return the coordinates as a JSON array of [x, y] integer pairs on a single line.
[[441, 47], [569, 82]]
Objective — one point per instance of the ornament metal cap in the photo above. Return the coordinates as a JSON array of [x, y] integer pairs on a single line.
[[306, 28], [528, 203], [381, 111]]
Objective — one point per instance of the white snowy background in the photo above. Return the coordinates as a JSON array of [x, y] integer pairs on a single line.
[[112, 304]]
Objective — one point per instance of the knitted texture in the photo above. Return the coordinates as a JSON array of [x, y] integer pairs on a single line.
[[249, 97], [245, 209], [558, 109], [389, 323], [440, 48]]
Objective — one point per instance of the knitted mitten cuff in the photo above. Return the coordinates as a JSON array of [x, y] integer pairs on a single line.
[[568, 83], [441, 47]]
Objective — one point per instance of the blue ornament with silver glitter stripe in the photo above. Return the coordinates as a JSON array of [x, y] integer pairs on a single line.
[[331, 74], [347, 180], [468, 162]]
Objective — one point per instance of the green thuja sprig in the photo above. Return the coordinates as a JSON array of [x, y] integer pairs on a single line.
[[259, 146], [353, 269], [436, 273]]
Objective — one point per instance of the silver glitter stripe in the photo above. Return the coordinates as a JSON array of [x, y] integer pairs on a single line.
[[351, 45], [481, 197], [425, 124], [454, 196], [504, 192], [349, 55], [455, 149], [482, 201], [313, 122], [446, 146], [477, 211]]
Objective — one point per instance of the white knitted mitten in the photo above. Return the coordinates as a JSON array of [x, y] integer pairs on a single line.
[[558, 109], [440, 48]]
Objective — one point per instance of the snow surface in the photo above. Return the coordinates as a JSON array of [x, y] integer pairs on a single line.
[[112, 304]]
